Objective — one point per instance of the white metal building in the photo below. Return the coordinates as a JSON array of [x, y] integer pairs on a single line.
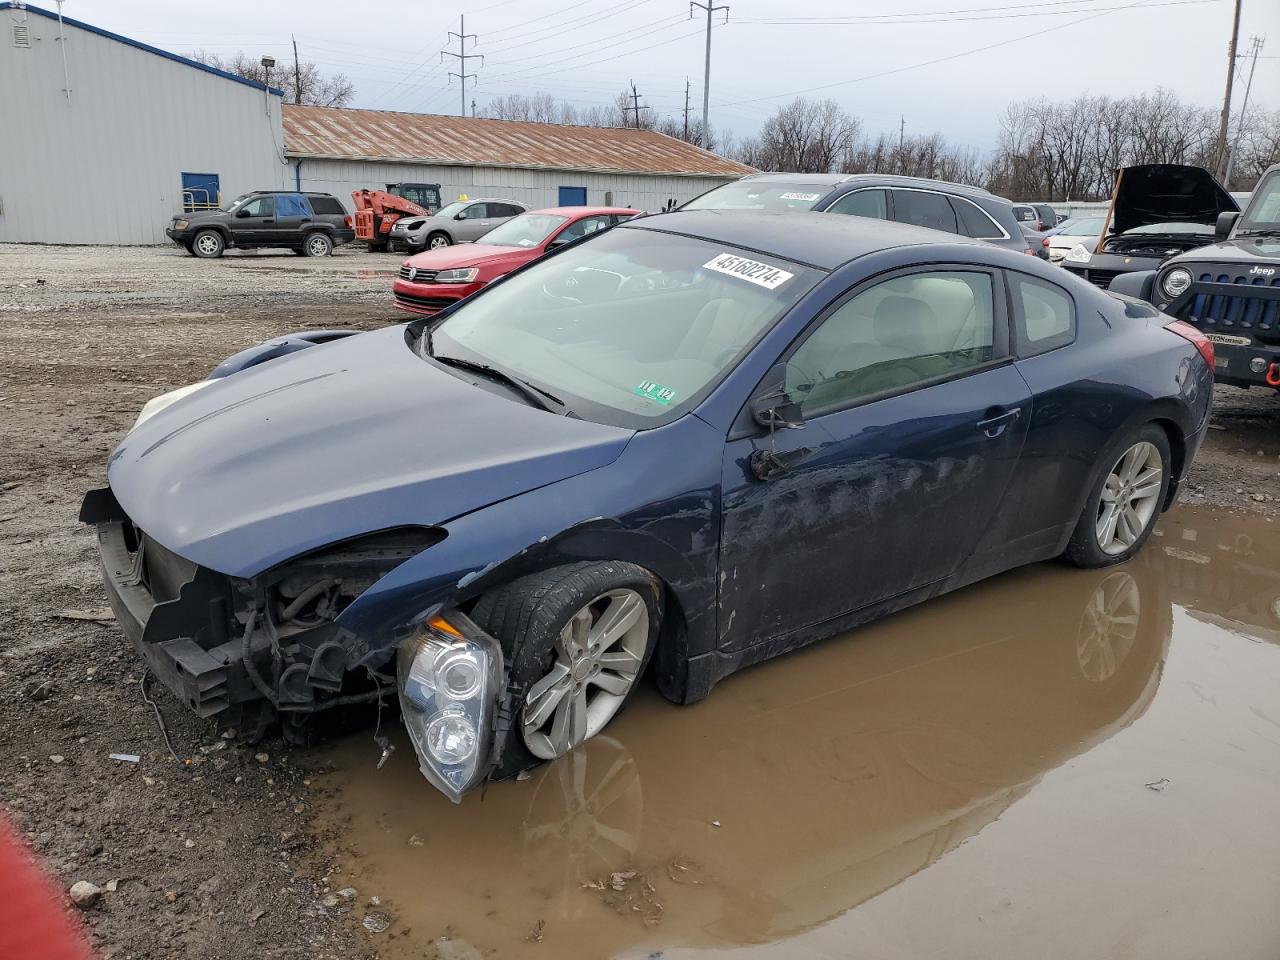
[[105, 138], [542, 164]]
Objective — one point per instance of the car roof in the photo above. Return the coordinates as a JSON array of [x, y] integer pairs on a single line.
[[583, 211], [887, 179], [818, 239]]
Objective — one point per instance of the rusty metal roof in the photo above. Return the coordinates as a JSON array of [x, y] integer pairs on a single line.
[[343, 134]]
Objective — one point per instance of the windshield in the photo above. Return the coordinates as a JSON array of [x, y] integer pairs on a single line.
[[1083, 227], [1171, 228], [452, 209], [1263, 212], [761, 195], [628, 327], [526, 230]]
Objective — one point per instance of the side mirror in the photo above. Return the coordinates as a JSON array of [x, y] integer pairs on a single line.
[[242, 213], [462, 215], [772, 406], [1226, 220]]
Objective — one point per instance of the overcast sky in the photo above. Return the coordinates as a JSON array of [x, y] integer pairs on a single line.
[[871, 56]]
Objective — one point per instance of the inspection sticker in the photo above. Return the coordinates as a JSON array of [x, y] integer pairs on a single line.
[[806, 197], [761, 274], [655, 392]]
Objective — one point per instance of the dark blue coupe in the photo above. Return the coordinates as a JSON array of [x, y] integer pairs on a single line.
[[695, 441]]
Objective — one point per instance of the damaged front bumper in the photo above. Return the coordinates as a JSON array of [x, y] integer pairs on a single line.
[[219, 645]]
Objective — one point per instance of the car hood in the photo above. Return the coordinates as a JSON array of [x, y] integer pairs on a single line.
[[203, 216], [1168, 193], [469, 255], [1249, 251], [333, 442]]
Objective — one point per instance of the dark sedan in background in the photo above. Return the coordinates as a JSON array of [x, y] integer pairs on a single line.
[[692, 442], [937, 204]]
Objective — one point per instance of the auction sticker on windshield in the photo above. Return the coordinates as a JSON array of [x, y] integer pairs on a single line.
[[762, 274], [655, 392], [806, 197]]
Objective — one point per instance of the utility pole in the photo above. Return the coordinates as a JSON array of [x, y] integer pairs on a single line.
[[686, 109], [902, 131], [1244, 108], [635, 103], [711, 8], [1225, 119], [473, 107], [462, 57], [297, 72]]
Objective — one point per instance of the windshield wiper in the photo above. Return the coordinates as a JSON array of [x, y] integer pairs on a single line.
[[1259, 232], [535, 395]]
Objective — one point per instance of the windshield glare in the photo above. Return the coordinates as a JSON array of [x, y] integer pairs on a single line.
[[761, 195], [526, 230], [1084, 227], [629, 326], [1264, 207], [452, 209], [237, 202]]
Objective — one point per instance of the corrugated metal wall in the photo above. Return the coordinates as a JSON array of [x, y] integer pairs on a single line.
[[107, 166], [540, 188]]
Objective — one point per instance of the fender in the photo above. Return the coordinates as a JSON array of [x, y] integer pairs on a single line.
[[1140, 284], [271, 349]]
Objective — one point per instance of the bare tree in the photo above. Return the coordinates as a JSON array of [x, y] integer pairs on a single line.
[[308, 86]]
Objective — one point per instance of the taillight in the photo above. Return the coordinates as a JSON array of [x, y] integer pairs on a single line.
[[347, 220], [1044, 242], [1188, 332]]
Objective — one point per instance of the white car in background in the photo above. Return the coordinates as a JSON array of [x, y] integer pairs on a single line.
[[1076, 231]]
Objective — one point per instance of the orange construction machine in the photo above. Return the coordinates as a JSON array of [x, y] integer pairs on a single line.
[[378, 210]]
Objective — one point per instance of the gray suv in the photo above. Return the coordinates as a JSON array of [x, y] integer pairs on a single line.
[[953, 207], [463, 221], [310, 224]]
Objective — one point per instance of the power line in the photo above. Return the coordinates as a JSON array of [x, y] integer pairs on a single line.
[[896, 19], [462, 57]]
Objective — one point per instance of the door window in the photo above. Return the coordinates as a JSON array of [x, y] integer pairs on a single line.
[[924, 209], [292, 205], [975, 223], [863, 203], [477, 211], [1046, 315], [260, 207], [902, 332], [583, 227]]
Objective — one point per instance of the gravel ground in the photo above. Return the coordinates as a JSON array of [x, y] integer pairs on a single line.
[[214, 854]]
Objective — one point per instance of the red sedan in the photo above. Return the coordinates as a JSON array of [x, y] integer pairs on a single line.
[[435, 279]]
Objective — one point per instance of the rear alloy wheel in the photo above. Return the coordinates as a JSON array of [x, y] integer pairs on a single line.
[[1125, 502], [438, 241], [577, 639], [317, 245], [207, 244]]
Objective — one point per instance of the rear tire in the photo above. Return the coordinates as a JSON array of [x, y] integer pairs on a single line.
[[317, 245], [1126, 499], [208, 244], [577, 640]]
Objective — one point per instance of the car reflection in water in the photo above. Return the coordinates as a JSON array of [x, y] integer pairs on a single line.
[[795, 793]]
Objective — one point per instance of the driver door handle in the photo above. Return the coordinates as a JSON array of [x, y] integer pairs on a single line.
[[997, 419]]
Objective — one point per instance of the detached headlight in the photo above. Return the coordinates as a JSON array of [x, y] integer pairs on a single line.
[[1176, 282], [1079, 254], [457, 276], [156, 404], [449, 673]]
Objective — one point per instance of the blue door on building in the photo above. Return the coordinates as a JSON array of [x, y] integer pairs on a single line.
[[199, 191], [573, 196]]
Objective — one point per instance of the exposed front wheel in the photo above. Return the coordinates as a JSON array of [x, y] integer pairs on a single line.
[[317, 245], [1125, 502], [208, 243], [578, 639], [438, 241]]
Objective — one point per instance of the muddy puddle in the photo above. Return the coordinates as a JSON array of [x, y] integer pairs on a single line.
[[1053, 763]]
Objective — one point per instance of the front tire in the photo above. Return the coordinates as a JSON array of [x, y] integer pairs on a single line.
[[438, 241], [577, 639], [317, 245], [1125, 502], [208, 244]]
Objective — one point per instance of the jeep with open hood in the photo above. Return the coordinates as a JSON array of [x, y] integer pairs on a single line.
[[1229, 289], [1158, 210]]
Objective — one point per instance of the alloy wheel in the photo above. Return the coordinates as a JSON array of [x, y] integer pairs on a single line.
[[318, 245], [208, 244], [598, 655], [1130, 498], [435, 243]]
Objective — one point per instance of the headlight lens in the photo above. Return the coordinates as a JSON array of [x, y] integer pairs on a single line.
[[156, 404], [180, 224], [449, 674], [1176, 282], [1078, 254], [457, 276]]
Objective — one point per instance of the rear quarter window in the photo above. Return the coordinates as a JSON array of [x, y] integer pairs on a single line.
[[324, 206], [974, 222], [1046, 315]]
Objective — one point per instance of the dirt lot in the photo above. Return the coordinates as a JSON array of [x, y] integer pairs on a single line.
[[215, 855]]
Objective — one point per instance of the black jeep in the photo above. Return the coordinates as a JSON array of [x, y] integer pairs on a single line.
[[1229, 289], [311, 224]]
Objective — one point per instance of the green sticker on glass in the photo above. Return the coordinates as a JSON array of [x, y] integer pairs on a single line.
[[655, 392]]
